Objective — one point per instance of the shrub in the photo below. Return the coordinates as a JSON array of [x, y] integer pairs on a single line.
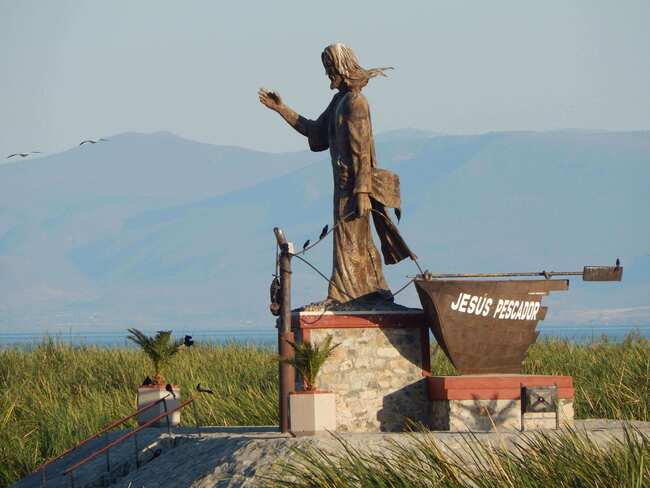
[[309, 358]]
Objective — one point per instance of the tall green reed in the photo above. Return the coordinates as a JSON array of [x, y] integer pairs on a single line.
[[562, 459], [55, 395]]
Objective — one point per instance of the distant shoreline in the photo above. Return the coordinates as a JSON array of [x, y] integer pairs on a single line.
[[268, 336]]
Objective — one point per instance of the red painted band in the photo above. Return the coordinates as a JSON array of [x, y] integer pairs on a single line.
[[492, 387], [361, 321], [500, 381]]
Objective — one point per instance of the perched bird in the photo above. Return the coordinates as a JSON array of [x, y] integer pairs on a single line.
[[618, 263], [147, 381], [203, 390], [157, 453], [323, 232], [170, 389], [23, 155], [304, 246], [188, 342], [398, 214]]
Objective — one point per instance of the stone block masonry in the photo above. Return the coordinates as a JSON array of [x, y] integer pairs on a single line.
[[379, 370]]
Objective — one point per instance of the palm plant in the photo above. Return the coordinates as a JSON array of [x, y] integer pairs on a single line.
[[160, 349], [308, 359]]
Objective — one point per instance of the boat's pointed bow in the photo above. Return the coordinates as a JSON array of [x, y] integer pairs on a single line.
[[485, 326]]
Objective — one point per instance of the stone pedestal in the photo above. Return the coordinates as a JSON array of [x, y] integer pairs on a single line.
[[484, 403], [378, 372]]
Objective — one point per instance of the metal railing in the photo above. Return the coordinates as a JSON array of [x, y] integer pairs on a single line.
[[106, 449], [103, 430]]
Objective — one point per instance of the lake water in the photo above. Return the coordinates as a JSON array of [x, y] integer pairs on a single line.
[[268, 337]]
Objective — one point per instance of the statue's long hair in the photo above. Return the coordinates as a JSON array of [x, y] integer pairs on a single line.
[[347, 65]]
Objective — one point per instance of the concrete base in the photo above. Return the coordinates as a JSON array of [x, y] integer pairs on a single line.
[[539, 421], [149, 394], [488, 403], [311, 412]]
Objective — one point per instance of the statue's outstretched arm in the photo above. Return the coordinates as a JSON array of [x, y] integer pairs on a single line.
[[314, 130], [273, 101]]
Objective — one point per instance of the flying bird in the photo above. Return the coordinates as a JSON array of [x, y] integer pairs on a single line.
[[304, 246], [91, 141], [203, 390], [323, 232], [188, 342], [170, 389], [23, 155]]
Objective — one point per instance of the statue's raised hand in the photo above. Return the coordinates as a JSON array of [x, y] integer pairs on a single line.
[[270, 99]]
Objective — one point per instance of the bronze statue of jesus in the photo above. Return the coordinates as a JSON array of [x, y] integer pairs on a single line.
[[360, 188]]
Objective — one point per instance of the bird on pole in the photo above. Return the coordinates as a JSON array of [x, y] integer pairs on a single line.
[[323, 233]]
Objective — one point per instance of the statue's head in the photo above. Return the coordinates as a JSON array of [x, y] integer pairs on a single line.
[[343, 69]]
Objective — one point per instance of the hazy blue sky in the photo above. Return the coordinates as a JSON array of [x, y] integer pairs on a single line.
[[77, 69]]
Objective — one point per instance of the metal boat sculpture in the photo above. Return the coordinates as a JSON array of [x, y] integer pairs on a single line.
[[486, 326]]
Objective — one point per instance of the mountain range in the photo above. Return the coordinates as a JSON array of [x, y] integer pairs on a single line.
[[157, 231]]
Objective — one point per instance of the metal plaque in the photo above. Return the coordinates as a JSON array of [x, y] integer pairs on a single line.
[[540, 399]]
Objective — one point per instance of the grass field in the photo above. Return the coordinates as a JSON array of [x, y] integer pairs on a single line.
[[56, 395], [563, 459]]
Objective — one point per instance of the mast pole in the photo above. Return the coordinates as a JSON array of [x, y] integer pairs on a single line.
[[287, 373]]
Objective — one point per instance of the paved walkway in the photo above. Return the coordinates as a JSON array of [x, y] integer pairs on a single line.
[[152, 442]]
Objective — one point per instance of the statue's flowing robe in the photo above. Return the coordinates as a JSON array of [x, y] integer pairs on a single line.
[[345, 129]]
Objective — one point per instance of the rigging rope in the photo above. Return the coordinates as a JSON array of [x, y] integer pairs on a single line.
[[328, 233], [330, 281], [341, 220], [322, 275]]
